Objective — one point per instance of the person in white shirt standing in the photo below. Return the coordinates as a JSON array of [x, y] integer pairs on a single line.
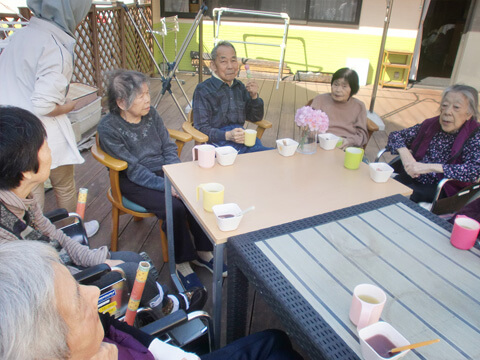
[[35, 72]]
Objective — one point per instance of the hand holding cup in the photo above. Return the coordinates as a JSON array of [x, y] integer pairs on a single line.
[[236, 135]]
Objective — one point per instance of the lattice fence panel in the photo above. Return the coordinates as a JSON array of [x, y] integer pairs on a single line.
[[9, 23], [137, 54], [85, 69], [107, 40]]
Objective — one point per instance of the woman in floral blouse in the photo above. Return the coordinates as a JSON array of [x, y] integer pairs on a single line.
[[446, 146]]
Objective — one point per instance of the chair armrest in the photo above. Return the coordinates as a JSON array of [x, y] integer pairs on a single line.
[[198, 136], [92, 274], [380, 154], [371, 126], [438, 191], [105, 159], [180, 135], [264, 124], [57, 215], [164, 324]]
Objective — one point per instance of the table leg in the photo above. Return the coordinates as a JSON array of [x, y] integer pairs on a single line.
[[217, 292], [171, 243], [237, 299]]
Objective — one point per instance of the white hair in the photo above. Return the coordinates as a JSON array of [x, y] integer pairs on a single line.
[[30, 324], [470, 93], [221, 43]]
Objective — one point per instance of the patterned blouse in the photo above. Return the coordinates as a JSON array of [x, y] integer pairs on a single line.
[[438, 153]]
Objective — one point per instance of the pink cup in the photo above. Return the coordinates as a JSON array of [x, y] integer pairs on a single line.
[[205, 154], [465, 232], [367, 305]]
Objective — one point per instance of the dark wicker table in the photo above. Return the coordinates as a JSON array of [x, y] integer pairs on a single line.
[[306, 271]]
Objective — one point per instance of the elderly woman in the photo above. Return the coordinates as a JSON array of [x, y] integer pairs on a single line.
[[347, 115], [135, 133], [445, 146], [24, 163], [36, 69], [51, 316]]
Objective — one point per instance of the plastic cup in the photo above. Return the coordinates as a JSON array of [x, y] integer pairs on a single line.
[[353, 157]]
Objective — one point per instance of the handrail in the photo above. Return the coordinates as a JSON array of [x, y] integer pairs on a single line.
[[283, 45]]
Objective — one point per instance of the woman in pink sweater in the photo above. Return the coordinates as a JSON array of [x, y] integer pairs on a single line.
[[347, 115]]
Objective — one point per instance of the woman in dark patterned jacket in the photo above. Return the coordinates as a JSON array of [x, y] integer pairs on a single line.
[[445, 146]]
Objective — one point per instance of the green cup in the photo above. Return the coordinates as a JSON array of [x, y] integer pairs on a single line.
[[339, 143], [353, 157]]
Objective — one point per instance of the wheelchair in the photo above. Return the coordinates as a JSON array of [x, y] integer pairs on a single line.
[[442, 206], [192, 332]]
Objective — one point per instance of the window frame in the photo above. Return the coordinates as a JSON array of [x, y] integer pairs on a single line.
[[306, 20]]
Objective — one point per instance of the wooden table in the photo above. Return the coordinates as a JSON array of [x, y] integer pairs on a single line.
[[307, 270], [282, 189]]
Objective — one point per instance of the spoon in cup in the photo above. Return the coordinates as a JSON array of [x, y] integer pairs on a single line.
[[413, 346], [227, 216]]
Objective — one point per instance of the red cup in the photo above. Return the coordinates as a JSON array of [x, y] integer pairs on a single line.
[[465, 232]]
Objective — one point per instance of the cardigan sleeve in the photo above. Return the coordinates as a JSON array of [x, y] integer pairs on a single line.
[[80, 254], [169, 148], [401, 138]]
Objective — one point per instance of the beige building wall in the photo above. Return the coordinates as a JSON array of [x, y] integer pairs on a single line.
[[467, 69], [405, 14], [156, 11]]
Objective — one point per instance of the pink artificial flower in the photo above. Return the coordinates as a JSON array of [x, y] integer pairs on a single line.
[[316, 120]]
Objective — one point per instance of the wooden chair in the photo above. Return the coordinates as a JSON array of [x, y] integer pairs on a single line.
[[371, 126], [121, 205], [446, 205], [201, 138]]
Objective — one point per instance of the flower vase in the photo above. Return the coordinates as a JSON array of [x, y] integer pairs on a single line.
[[307, 143]]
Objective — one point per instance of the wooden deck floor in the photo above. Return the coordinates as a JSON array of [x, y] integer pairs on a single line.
[[399, 109]]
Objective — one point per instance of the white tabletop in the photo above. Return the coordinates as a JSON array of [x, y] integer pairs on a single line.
[[282, 189]]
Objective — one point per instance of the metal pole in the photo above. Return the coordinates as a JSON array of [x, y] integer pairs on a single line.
[[200, 52], [145, 20], [380, 55], [282, 55], [173, 66]]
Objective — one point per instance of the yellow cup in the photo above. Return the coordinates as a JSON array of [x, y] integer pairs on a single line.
[[212, 195], [250, 137], [353, 157]]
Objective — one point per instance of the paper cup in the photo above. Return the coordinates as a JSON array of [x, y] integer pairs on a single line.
[[376, 338], [367, 305], [328, 141], [287, 147]]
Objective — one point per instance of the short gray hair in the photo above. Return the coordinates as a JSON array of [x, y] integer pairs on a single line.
[[221, 43], [470, 93], [30, 325], [124, 85]]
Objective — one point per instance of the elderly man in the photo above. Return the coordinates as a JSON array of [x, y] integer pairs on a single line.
[[221, 104], [46, 314]]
